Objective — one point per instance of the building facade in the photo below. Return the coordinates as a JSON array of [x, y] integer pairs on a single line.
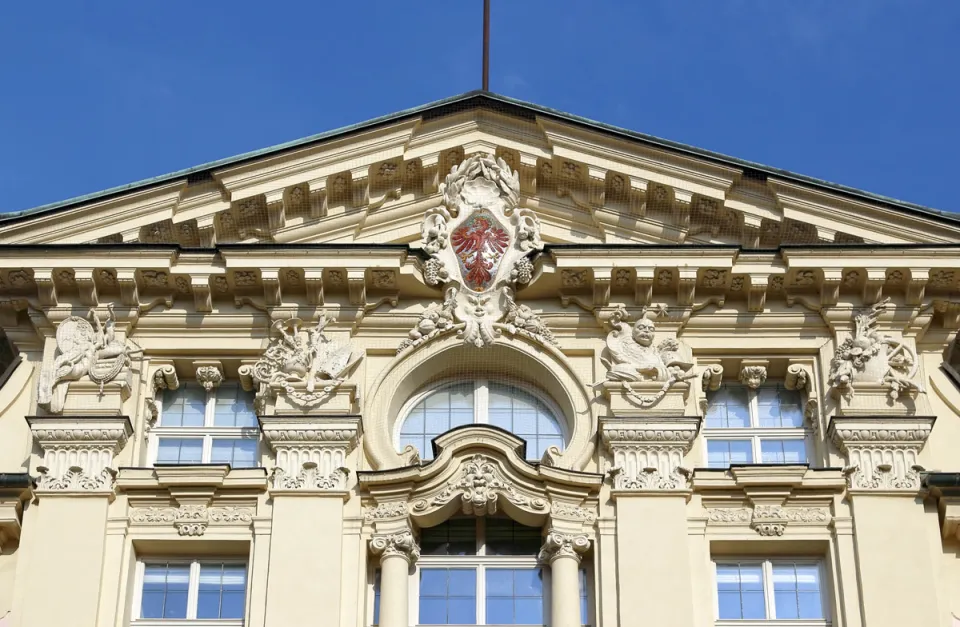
[[480, 363]]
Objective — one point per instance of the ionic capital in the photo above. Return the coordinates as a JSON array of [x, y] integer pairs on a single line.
[[559, 545], [400, 544]]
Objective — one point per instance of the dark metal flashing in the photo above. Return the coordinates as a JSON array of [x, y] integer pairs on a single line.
[[350, 248], [490, 100], [15, 480], [942, 483]]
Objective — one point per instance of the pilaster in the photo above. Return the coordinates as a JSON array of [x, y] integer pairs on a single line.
[[891, 532], [68, 535], [653, 556], [308, 488]]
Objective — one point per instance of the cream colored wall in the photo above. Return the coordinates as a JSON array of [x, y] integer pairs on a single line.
[[308, 554]]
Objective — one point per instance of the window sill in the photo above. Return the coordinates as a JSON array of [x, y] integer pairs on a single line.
[[187, 622]]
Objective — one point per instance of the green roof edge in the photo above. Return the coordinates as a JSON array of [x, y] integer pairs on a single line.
[[479, 97]]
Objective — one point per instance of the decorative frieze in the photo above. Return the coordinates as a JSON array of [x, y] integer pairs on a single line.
[[767, 519], [310, 478], [572, 512], [882, 453], [558, 545], [78, 452], [385, 511], [648, 452], [191, 519]]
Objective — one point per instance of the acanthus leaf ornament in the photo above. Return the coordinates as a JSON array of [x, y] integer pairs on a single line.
[[869, 357], [633, 357], [310, 478], [479, 241], [84, 350], [76, 479], [307, 365]]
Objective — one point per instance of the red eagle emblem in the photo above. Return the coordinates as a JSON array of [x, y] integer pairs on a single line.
[[479, 244]]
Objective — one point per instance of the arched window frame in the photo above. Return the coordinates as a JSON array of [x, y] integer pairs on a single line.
[[481, 396]]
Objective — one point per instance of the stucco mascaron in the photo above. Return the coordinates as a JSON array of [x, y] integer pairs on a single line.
[[621, 280]]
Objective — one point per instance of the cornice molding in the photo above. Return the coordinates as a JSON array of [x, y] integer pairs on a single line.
[[882, 453]]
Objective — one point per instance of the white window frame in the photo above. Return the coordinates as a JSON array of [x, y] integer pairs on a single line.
[[481, 404], [756, 433], [767, 564], [193, 593], [207, 432], [480, 563]]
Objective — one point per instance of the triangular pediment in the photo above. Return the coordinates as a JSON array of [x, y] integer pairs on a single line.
[[587, 183]]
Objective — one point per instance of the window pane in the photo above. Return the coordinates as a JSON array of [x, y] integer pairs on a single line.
[[728, 408], [457, 536], [165, 591], [238, 452], [783, 451], [439, 412], [797, 590], [525, 415], [448, 596], [779, 407], [234, 407], [376, 597], [180, 451], [514, 596], [506, 537], [740, 591], [722, 453], [184, 407], [584, 614], [222, 591]]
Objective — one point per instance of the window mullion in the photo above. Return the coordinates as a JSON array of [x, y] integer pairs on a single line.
[[481, 401], [768, 596], [210, 407], [193, 590], [207, 453], [481, 594]]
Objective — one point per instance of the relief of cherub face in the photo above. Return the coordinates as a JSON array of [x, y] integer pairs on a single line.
[[643, 332]]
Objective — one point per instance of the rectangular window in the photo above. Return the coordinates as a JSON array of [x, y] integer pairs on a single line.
[[196, 426], [744, 426], [192, 590], [481, 571], [770, 590]]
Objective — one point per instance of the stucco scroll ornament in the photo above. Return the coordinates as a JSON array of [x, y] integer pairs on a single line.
[[306, 364], [633, 357], [869, 357], [480, 484], [84, 350], [479, 241]]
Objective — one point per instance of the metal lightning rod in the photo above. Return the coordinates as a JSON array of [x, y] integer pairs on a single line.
[[486, 45]]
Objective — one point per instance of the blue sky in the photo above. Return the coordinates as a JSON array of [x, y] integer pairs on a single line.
[[859, 92]]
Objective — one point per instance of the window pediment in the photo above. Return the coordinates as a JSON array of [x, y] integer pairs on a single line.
[[479, 470]]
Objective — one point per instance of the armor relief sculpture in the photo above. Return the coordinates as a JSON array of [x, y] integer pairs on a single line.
[[303, 363], [479, 241], [85, 351], [633, 357], [870, 358]]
